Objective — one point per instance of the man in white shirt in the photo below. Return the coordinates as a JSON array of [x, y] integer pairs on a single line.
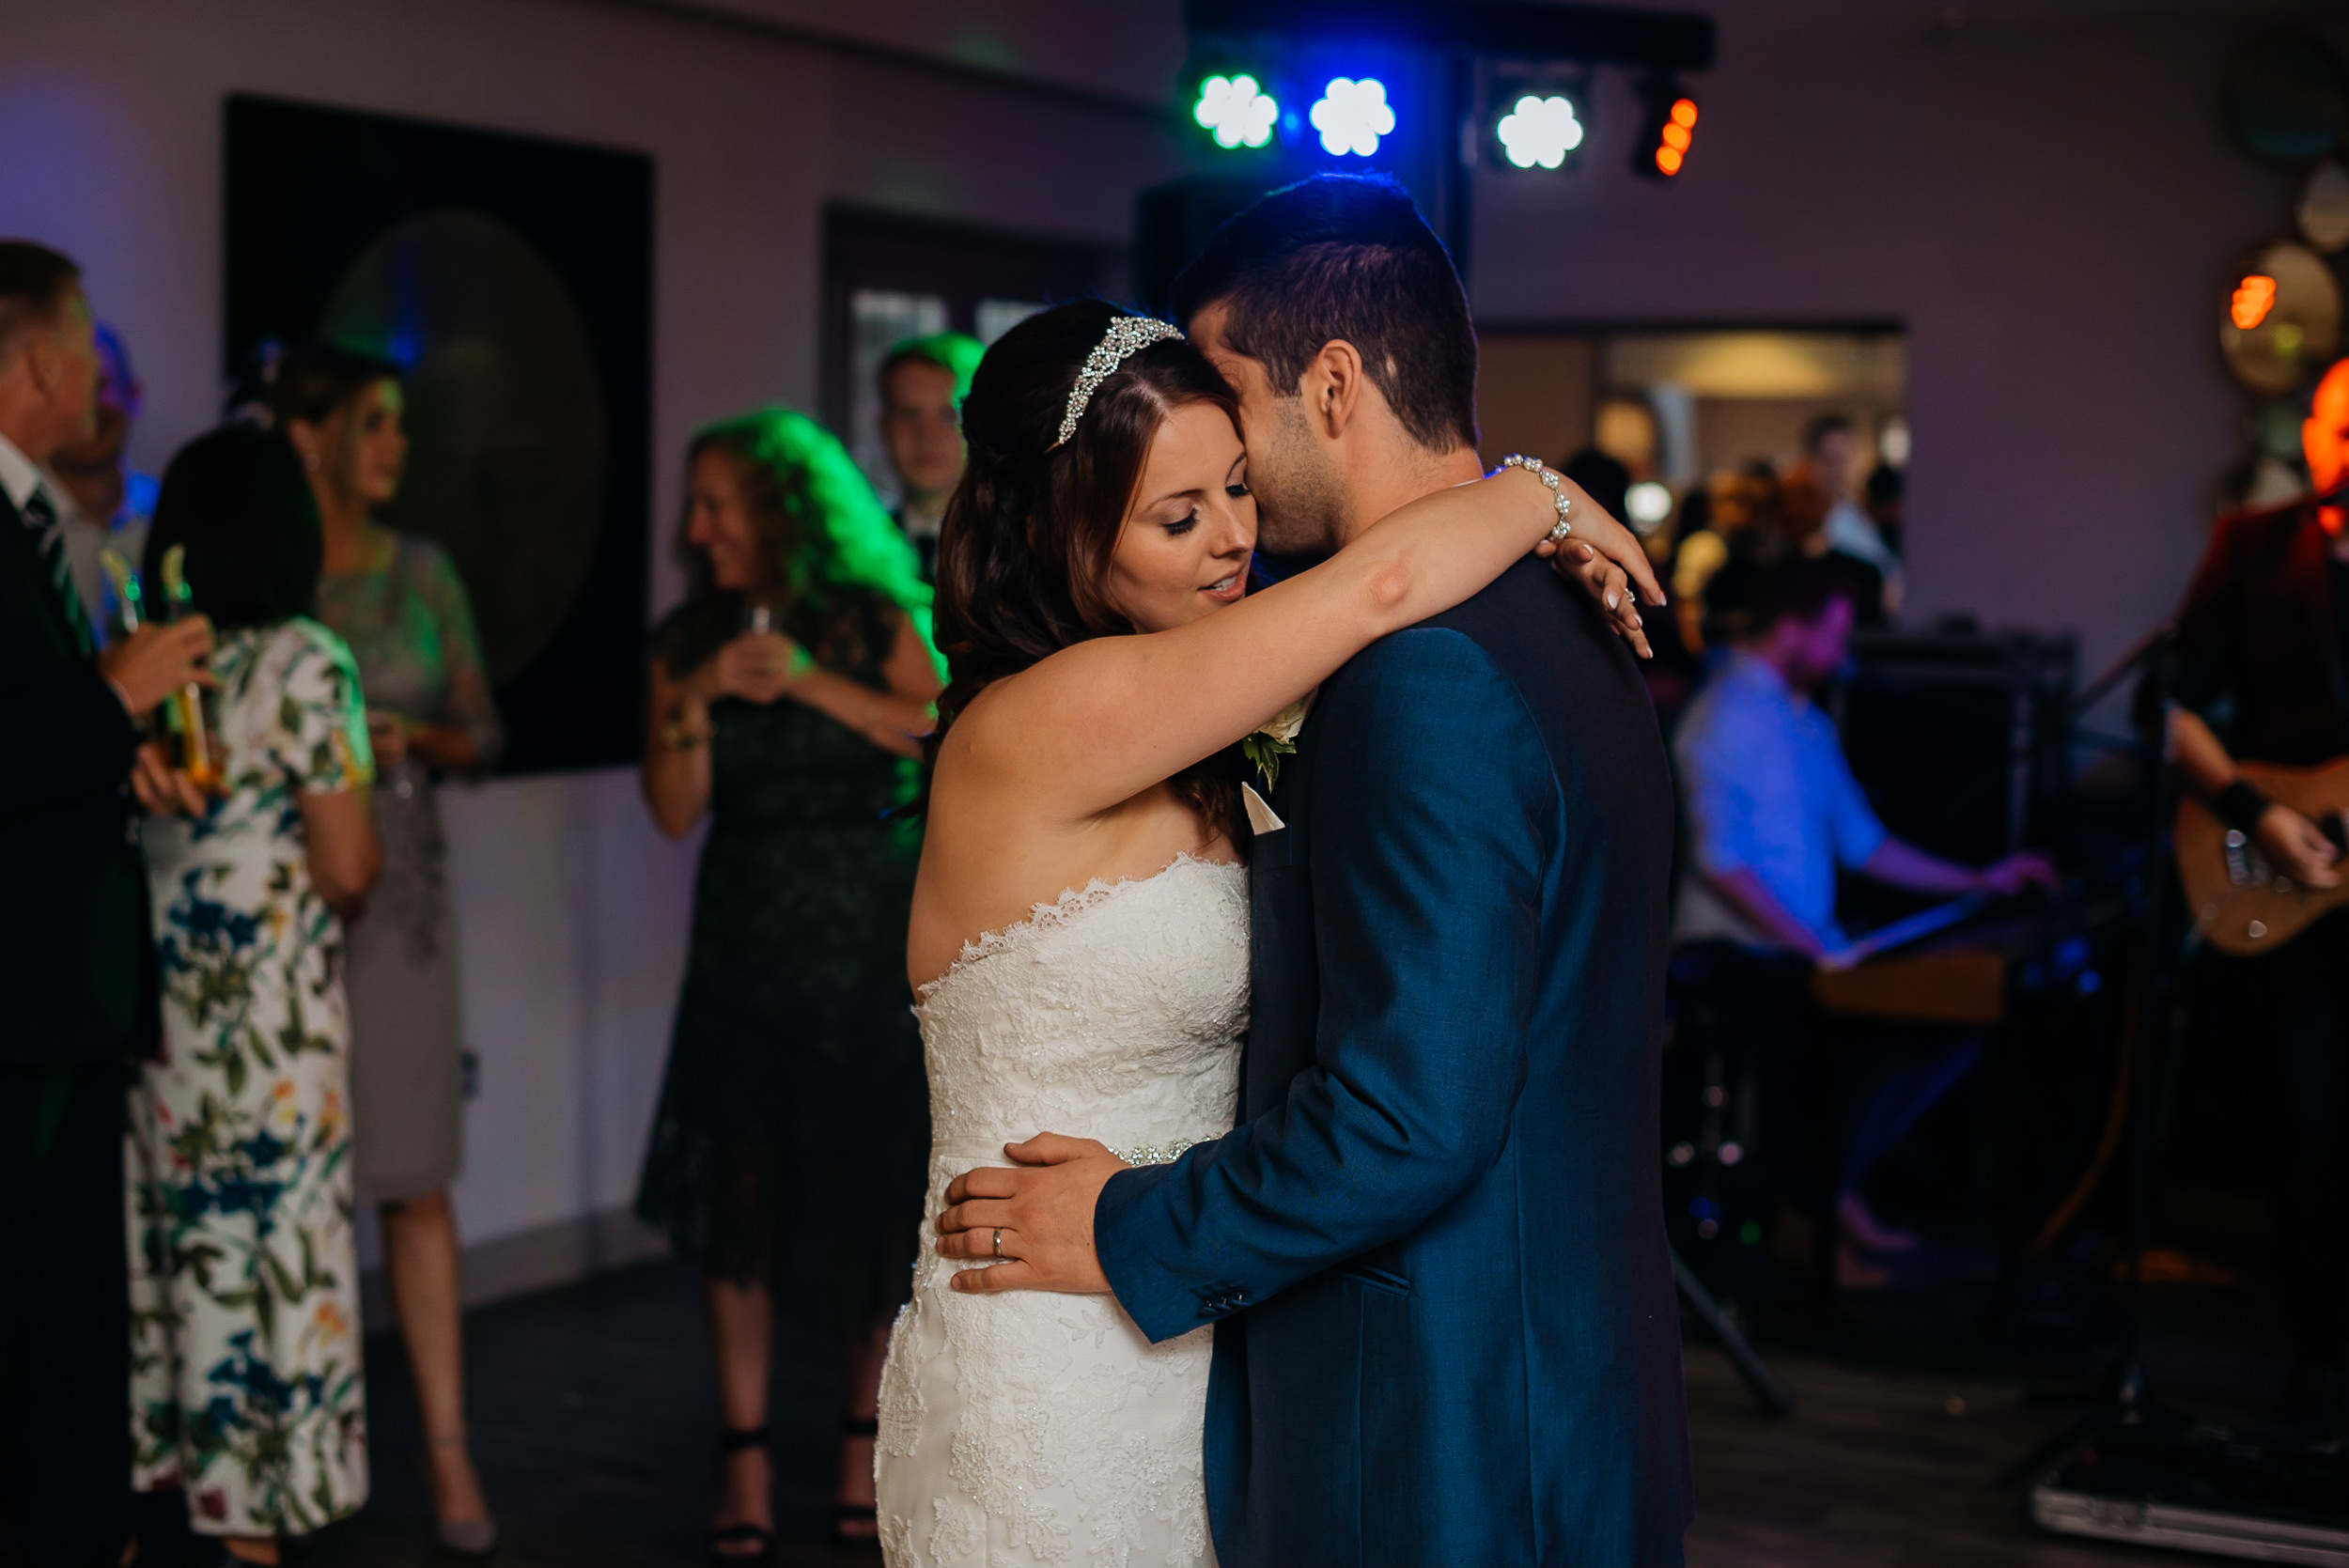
[[1773, 814], [1830, 445]]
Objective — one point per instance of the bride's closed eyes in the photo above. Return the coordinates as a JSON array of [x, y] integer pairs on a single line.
[[1235, 487]]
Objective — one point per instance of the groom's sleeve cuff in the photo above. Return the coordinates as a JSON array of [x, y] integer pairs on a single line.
[[1133, 1236]]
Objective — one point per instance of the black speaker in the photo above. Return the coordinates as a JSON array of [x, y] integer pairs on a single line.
[[1172, 225], [1962, 740]]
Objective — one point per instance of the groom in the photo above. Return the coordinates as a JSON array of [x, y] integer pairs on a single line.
[[1434, 1248]]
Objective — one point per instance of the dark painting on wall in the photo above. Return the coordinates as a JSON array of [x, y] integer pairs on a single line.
[[511, 278]]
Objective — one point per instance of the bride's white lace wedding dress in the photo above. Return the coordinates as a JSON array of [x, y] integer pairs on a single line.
[[1037, 1428]]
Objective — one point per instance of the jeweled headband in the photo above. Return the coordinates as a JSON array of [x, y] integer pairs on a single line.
[[1126, 334]]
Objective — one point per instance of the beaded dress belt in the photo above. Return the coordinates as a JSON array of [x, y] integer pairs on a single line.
[[1158, 1154], [980, 1152]]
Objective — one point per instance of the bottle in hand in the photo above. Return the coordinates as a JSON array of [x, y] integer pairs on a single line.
[[187, 721]]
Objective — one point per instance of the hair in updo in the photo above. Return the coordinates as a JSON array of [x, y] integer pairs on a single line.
[[1023, 552]]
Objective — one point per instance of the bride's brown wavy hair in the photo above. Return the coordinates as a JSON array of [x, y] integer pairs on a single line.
[[1023, 552]]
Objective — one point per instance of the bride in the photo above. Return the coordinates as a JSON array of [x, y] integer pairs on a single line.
[[1079, 936]]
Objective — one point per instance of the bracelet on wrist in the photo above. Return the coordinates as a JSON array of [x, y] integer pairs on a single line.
[[2241, 805], [1560, 503]]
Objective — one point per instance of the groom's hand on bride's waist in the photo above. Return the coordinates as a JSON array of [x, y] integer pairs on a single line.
[[1036, 1217]]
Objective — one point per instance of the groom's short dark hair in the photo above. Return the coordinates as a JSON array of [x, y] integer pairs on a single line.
[[1345, 256]]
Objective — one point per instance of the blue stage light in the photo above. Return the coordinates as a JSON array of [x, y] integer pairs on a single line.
[[1239, 110], [1539, 131], [1352, 115]]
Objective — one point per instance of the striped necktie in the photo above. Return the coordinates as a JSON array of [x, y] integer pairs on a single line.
[[40, 516]]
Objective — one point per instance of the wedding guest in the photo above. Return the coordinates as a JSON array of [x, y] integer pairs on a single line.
[[77, 959], [246, 1370], [1605, 479], [922, 383], [1830, 457], [787, 692], [110, 501], [399, 603], [1885, 504]]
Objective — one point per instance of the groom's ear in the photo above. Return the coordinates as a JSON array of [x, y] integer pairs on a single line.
[[1332, 388]]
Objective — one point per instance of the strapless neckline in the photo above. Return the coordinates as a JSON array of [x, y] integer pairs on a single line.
[[1052, 916]]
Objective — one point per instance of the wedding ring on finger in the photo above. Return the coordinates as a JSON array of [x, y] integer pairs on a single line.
[[999, 1241]]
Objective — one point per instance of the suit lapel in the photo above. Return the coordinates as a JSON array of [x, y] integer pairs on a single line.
[[1286, 985]]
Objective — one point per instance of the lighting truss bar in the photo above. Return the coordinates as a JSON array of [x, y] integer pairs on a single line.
[[1603, 35]]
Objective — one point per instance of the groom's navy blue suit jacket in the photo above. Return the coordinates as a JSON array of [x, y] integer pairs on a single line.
[[1434, 1248]]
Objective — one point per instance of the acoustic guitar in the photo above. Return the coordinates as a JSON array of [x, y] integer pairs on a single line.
[[2240, 901]]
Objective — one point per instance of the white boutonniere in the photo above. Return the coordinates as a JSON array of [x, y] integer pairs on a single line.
[[1277, 738]]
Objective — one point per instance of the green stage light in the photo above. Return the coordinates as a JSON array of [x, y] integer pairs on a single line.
[[1237, 110]]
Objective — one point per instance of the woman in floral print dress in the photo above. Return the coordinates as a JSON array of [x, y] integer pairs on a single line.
[[246, 1388]]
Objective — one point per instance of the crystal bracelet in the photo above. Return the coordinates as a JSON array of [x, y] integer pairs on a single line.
[[1558, 497]]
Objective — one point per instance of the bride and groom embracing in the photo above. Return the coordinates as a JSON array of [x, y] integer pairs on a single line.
[[1416, 1306]]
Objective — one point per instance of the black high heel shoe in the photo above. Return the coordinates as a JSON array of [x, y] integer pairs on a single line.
[[847, 1514], [731, 1441]]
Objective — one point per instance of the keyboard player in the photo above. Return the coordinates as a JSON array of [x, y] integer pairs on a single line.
[[1773, 813]]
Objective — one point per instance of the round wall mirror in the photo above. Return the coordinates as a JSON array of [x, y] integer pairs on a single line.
[[2323, 211], [506, 411], [2281, 317]]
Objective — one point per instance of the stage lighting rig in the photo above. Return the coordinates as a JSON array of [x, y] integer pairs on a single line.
[[1237, 110], [1352, 115], [1662, 152], [1539, 131]]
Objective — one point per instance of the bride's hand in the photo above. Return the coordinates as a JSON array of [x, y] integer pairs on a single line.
[[1609, 561]]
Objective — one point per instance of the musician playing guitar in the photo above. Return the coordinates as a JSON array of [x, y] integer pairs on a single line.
[[2261, 663]]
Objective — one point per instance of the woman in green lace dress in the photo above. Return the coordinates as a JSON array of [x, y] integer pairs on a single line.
[[787, 692], [245, 1282]]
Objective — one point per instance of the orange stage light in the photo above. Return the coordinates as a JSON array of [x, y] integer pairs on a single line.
[[1676, 136], [1668, 159], [2255, 297], [1684, 112]]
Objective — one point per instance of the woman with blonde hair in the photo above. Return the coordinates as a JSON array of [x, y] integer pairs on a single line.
[[396, 600]]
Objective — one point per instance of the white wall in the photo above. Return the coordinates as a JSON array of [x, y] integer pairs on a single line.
[[574, 913]]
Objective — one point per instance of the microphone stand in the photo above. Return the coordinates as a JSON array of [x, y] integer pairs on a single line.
[[1767, 1390], [2148, 1049]]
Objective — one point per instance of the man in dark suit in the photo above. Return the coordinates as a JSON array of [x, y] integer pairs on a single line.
[[922, 383], [1434, 1248], [2263, 676], [77, 970]]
